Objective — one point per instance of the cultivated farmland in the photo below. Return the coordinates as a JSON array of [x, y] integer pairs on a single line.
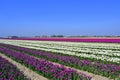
[[65, 60]]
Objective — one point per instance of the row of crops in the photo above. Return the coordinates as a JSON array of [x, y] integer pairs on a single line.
[[40, 66], [69, 54], [104, 52], [10, 72], [87, 39]]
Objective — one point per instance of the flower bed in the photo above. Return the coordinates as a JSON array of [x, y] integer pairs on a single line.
[[43, 67], [108, 70], [10, 72], [106, 52]]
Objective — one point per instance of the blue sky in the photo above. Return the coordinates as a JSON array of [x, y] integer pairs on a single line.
[[66, 17]]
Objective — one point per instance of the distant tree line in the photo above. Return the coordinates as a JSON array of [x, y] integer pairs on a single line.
[[57, 36], [12, 36], [45, 36], [54, 36]]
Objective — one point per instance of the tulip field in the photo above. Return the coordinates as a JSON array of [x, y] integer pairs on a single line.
[[60, 60], [9, 71]]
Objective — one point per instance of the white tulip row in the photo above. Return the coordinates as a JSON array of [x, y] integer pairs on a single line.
[[48, 45], [72, 48], [77, 51]]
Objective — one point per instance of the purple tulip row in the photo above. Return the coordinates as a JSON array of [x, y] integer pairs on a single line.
[[44, 67], [10, 72], [94, 67]]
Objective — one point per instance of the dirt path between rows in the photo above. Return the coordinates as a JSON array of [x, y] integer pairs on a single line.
[[94, 76], [26, 71]]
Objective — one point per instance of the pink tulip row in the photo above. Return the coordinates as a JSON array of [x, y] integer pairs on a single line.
[[102, 40]]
